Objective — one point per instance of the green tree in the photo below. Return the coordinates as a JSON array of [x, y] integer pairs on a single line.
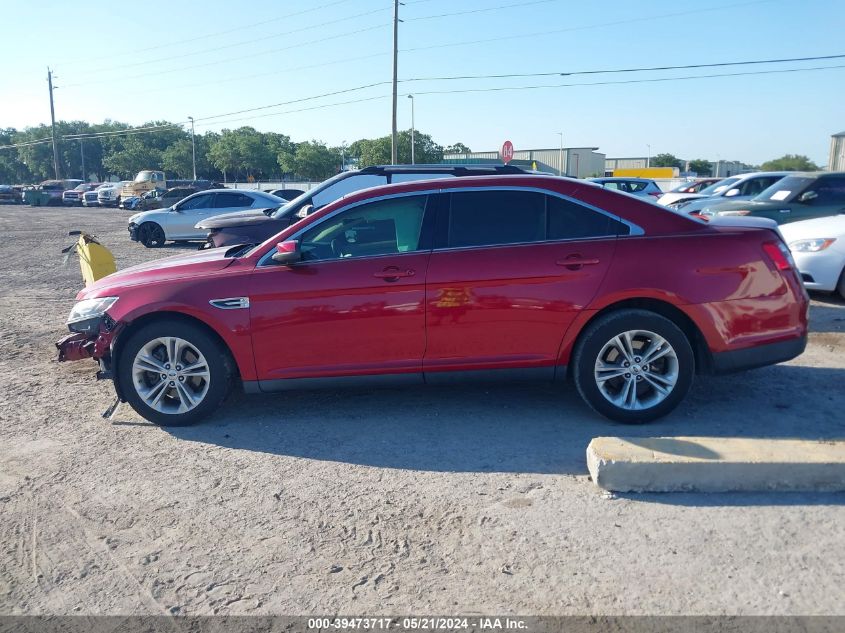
[[457, 148], [377, 151], [666, 160], [701, 166], [311, 160], [790, 162]]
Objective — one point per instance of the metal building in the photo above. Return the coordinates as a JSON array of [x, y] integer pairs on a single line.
[[576, 162], [836, 162]]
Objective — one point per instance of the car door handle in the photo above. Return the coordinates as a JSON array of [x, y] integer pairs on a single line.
[[576, 261], [393, 273]]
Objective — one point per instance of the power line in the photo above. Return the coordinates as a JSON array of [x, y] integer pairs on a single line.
[[48, 139], [584, 27], [536, 87], [244, 42], [484, 10], [231, 59], [216, 33], [629, 70], [629, 81]]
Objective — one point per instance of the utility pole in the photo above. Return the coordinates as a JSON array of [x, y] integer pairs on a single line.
[[53, 122], [413, 127], [648, 157], [193, 147], [393, 142], [560, 156], [82, 153]]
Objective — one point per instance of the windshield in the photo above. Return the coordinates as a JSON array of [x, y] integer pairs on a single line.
[[143, 176], [718, 187], [289, 208], [784, 189]]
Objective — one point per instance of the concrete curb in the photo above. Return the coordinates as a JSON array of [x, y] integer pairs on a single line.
[[716, 464]]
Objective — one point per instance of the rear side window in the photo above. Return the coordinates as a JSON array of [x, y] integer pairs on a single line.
[[569, 220], [492, 218], [634, 186], [228, 200], [488, 218]]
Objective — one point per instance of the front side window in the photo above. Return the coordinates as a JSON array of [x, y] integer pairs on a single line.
[[197, 202], [829, 191], [384, 227]]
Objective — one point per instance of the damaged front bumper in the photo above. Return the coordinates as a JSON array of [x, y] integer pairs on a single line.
[[98, 344]]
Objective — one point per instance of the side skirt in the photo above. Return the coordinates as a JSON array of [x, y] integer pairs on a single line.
[[533, 374]]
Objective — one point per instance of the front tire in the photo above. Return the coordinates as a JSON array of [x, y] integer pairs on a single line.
[[633, 366], [840, 287], [151, 235], [173, 373]]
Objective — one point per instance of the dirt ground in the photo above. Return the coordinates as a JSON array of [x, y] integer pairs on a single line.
[[427, 500]]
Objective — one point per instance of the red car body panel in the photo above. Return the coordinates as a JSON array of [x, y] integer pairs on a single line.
[[468, 309]]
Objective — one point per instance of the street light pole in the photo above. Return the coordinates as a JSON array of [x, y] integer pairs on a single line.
[[53, 124], [648, 157], [560, 156], [393, 141], [411, 97], [193, 147]]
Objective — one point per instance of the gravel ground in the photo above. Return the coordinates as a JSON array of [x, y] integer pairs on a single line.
[[428, 500]]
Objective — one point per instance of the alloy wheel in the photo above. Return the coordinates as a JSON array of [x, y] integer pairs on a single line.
[[636, 370], [170, 375]]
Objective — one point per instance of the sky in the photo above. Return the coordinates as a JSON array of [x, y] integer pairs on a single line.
[[136, 62]]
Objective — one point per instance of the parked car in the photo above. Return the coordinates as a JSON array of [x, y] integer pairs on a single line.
[[642, 187], [90, 199], [73, 197], [177, 222], [252, 227], [742, 187], [693, 186], [166, 199], [108, 195], [496, 277], [286, 194], [48, 192], [10, 195], [818, 247], [799, 196]]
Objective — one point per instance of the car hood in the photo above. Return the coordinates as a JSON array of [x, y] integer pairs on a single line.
[[195, 264], [752, 206], [830, 226], [238, 218]]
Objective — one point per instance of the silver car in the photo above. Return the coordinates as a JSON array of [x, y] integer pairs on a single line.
[[178, 222]]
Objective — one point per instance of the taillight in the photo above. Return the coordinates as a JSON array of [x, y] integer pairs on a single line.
[[779, 254]]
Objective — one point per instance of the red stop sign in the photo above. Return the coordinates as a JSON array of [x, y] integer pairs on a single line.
[[507, 152]]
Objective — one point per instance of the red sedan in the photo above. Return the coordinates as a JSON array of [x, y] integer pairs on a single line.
[[492, 277]]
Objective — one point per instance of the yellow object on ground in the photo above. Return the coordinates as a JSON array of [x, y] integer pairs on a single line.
[[95, 260]]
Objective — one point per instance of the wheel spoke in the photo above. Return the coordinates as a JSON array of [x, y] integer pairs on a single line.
[[606, 372], [667, 381], [149, 363], [197, 370], [154, 394], [656, 350], [186, 398]]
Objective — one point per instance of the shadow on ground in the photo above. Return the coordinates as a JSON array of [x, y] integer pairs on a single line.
[[527, 428]]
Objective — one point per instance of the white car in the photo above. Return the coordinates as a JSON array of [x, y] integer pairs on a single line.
[[818, 247], [742, 187], [153, 228], [108, 194]]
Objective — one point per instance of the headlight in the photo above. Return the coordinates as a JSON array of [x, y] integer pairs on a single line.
[[86, 315], [811, 246]]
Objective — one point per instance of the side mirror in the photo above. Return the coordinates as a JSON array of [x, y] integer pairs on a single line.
[[305, 211], [287, 252], [731, 192], [807, 196]]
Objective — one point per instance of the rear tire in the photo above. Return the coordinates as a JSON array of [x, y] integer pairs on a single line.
[[633, 366], [174, 373]]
